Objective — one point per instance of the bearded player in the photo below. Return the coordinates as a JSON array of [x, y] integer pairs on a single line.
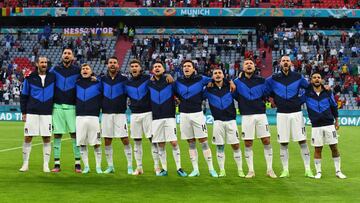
[[323, 114]]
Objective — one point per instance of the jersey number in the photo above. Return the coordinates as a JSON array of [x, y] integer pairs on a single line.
[[204, 128]]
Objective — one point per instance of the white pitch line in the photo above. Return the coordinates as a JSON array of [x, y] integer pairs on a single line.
[[15, 148]]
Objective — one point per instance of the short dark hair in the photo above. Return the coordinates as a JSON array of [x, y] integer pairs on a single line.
[[85, 64], [112, 57], [217, 68], [160, 62], [68, 49], [316, 72], [188, 61], [135, 61]]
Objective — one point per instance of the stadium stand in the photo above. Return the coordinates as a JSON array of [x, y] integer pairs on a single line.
[[17, 63], [339, 4], [207, 50], [336, 56], [342, 4], [137, 3]]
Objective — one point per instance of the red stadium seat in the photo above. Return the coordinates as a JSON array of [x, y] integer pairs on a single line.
[[195, 3]]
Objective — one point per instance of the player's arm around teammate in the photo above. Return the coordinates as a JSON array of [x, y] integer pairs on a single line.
[[88, 105], [164, 123], [189, 90], [224, 129], [36, 106], [250, 94], [141, 116], [285, 87], [114, 122], [323, 114]]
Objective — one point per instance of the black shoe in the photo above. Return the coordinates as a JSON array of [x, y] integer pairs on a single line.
[[77, 168], [56, 168]]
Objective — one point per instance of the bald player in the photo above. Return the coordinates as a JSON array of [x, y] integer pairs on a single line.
[[285, 87]]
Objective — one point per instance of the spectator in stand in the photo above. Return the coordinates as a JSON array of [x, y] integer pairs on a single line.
[[125, 31], [78, 42], [103, 54], [331, 81], [337, 88], [6, 55], [6, 97], [79, 54], [355, 89], [341, 52], [21, 48], [131, 34], [1, 92], [1, 61], [55, 39], [16, 94], [250, 37], [339, 103], [4, 74], [121, 28], [344, 71], [333, 52], [8, 44], [354, 51], [343, 37]]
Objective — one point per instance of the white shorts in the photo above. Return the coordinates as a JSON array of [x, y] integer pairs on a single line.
[[254, 123], [140, 123], [324, 135], [38, 125], [164, 130], [114, 126], [193, 125], [290, 123], [87, 130], [225, 132]]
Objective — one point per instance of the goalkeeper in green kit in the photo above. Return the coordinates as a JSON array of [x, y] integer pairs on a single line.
[[64, 106]]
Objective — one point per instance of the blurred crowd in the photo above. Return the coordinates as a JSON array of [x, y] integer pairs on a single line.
[[337, 58], [345, 4]]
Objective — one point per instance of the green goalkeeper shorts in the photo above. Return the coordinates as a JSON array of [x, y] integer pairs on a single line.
[[64, 119]]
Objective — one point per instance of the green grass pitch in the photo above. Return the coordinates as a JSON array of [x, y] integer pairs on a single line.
[[36, 186]]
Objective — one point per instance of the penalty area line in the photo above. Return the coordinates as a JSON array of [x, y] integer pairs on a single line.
[[15, 148]]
